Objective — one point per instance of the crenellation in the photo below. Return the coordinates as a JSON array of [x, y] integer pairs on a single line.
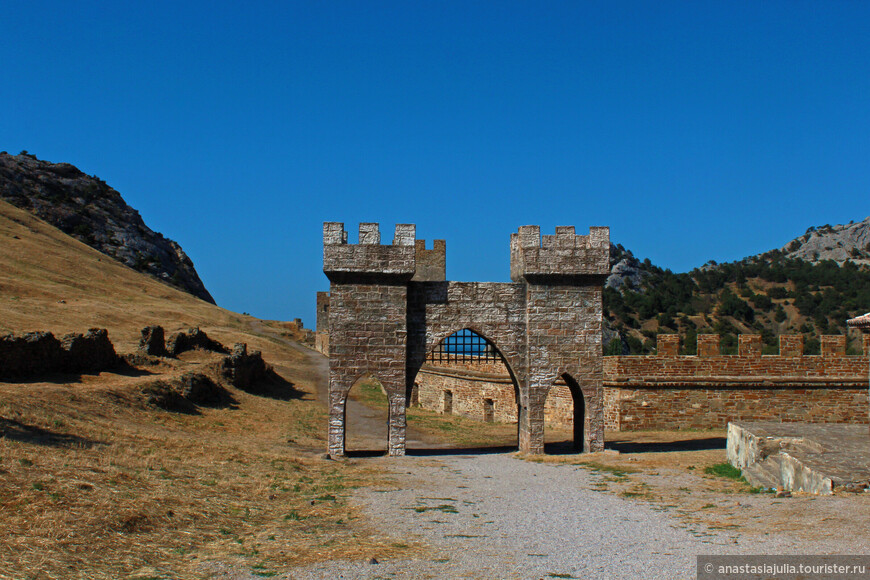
[[560, 257], [791, 345], [370, 234], [334, 234], [834, 345], [404, 235], [391, 305], [368, 260], [749, 345], [708, 345]]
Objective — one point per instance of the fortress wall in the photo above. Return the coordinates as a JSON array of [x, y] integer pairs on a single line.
[[669, 391], [471, 383]]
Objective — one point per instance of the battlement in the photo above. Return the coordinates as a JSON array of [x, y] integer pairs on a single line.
[[563, 255], [750, 345], [369, 260], [431, 264]]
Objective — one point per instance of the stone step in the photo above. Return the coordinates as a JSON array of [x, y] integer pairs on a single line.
[[766, 473]]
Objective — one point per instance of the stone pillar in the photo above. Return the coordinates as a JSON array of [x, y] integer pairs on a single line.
[[862, 323], [398, 424], [532, 423], [335, 440]]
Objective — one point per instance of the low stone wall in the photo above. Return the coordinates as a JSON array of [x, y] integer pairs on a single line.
[[40, 353]]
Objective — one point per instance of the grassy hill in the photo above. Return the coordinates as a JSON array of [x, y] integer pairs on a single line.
[[95, 482]]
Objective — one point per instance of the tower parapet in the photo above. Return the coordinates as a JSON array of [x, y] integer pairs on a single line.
[[563, 255], [369, 259], [431, 264]]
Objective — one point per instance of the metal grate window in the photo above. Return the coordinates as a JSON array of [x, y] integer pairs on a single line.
[[464, 346]]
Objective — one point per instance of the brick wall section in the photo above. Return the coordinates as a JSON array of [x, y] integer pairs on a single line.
[[684, 392], [708, 390]]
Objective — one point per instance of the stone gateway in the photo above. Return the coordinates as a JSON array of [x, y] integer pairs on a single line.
[[390, 305]]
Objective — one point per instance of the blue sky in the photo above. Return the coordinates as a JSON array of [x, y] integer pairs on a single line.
[[695, 130]]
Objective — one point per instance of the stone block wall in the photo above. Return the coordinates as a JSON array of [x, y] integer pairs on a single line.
[[431, 264], [666, 391], [389, 306]]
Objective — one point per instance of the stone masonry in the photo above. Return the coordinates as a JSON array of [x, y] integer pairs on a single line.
[[672, 391], [390, 305]]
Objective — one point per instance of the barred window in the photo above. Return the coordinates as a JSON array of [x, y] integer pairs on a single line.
[[464, 346]]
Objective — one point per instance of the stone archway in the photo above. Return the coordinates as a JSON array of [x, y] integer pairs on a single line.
[[467, 372], [389, 303]]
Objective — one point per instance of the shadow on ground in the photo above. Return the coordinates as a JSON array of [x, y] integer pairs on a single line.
[[274, 386], [17, 431], [667, 446]]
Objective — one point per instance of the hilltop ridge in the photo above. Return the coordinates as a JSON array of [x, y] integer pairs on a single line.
[[88, 209]]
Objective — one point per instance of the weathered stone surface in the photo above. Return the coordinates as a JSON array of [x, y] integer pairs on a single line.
[[244, 370], [812, 458], [40, 353], [152, 341], [194, 338], [88, 353], [546, 325]]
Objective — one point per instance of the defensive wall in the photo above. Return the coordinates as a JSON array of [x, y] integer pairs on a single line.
[[671, 391]]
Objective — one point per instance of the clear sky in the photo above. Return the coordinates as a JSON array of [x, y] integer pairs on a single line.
[[695, 130]]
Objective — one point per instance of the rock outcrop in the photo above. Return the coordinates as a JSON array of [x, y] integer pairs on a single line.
[[838, 243], [86, 208]]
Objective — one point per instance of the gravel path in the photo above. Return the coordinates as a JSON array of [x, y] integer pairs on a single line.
[[496, 516]]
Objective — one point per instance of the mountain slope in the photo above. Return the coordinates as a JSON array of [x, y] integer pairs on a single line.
[[810, 287], [89, 210], [50, 281]]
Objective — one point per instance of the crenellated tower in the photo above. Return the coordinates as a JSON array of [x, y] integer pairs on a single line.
[[546, 324]]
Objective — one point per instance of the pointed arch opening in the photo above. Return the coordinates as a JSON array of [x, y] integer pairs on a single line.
[[367, 412], [467, 384], [565, 416]]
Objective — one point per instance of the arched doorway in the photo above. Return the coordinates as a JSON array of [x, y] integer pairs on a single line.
[[366, 413], [467, 385], [565, 416]]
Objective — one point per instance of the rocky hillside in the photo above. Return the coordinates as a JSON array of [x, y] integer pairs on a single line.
[[838, 243], [810, 286], [86, 208]]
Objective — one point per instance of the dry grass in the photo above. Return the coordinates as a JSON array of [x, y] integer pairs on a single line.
[[96, 484]]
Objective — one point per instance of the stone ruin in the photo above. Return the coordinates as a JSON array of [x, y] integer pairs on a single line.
[[40, 353], [390, 305]]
